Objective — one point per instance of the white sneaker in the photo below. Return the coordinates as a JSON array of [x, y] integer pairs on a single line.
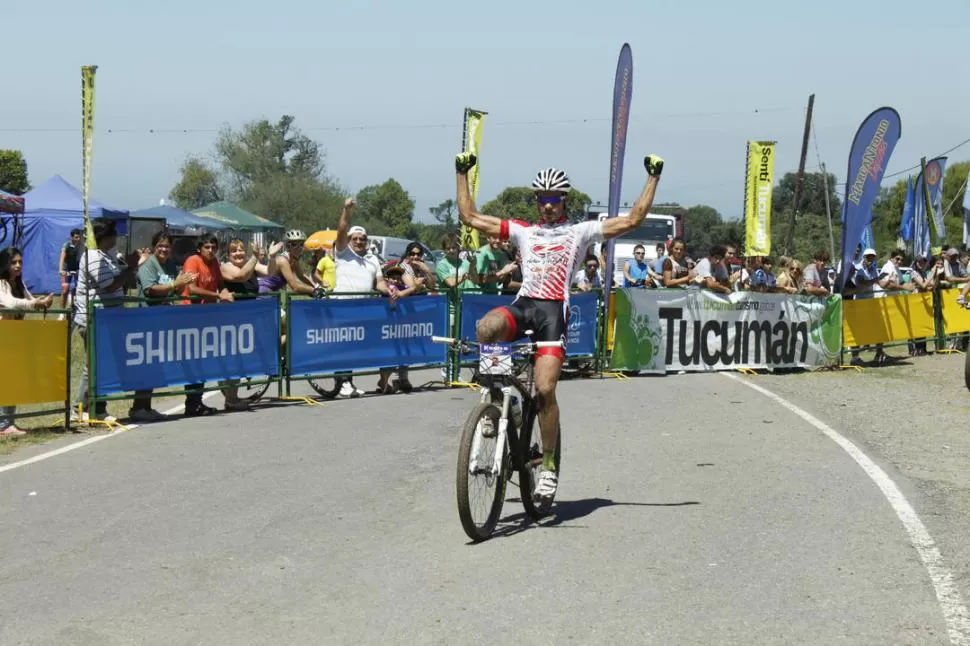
[[348, 390], [547, 485]]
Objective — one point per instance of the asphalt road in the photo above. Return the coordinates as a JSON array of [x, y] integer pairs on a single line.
[[691, 510]]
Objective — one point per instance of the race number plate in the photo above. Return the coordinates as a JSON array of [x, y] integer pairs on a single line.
[[495, 359]]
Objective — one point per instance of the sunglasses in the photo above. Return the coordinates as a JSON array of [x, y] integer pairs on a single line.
[[550, 199], [593, 267], [415, 254]]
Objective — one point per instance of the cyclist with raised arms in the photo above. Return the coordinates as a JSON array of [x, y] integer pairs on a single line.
[[551, 250]]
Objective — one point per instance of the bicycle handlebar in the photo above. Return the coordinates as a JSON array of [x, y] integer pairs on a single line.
[[538, 344]]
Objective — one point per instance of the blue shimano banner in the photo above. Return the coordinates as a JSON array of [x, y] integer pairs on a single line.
[[581, 335], [337, 334], [142, 348]]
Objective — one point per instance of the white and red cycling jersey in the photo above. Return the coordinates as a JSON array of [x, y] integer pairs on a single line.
[[550, 254]]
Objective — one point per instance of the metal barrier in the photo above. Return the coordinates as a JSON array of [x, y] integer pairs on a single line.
[[362, 333], [155, 348], [36, 362]]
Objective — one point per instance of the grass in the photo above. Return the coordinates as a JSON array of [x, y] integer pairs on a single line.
[[41, 436]]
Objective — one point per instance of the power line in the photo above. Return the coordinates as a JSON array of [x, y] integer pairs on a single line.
[[945, 152], [429, 126]]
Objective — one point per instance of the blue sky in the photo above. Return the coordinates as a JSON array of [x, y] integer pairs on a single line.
[[708, 76]]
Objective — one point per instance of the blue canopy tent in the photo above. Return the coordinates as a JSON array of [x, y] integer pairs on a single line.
[[176, 218], [52, 210]]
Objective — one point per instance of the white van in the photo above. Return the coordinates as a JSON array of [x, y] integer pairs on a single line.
[[655, 229], [389, 248]]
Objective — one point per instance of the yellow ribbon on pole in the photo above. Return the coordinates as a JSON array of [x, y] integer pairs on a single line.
[[472, 143], [87, 144]]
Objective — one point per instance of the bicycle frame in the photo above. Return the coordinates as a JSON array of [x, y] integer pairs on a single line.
[[506, 434]]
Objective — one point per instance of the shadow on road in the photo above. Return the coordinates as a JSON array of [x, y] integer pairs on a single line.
[[569, 510]]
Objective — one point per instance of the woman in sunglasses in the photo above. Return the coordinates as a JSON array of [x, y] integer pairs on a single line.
[[417, 276]]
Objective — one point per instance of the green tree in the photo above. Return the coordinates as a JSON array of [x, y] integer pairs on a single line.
[[13, 172], [812, 202], [520, 203], [701, 225], [954, 184], [704, 226], [445, 213], [385, 209], [275, 171], [887, 212], [198, 185]]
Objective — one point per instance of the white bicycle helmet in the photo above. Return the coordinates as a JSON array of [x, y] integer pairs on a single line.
[[551, 179], [295, 235]]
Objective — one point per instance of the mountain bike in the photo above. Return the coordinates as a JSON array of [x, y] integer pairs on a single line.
[[500, 436]]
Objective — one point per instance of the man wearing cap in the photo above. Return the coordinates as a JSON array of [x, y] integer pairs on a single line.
[[863, 279], [955, 273], [357, 271]]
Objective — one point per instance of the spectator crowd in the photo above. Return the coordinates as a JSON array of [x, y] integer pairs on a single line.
[[102, 277]]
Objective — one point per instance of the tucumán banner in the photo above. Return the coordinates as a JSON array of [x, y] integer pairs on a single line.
[[757, 197], [699, 331]]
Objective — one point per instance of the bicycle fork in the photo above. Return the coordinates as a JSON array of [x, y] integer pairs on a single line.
[[501, 435]]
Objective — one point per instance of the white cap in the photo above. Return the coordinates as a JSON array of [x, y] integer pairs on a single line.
[[868, 252], [357, 229]]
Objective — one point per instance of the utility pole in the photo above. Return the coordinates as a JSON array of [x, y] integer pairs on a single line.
[[828, 212], [799, 179]]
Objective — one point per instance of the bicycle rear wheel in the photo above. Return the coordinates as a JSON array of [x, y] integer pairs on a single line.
[[530, 452], [252, 393], [327, 387], [481, 493]]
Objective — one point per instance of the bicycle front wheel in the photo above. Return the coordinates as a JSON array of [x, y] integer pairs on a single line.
[[481, 490]]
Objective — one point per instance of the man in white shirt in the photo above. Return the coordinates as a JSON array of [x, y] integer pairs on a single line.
[[357, 271], [589, 276], [890, 282], [711, 273]]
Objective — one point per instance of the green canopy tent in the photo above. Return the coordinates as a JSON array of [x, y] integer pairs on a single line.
[[234, 217]]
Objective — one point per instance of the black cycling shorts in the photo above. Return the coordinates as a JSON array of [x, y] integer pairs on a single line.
[[546, 318]]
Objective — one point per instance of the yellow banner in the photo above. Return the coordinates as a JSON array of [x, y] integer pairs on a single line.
[[956, 319], [472, 144], [87, 143], [757, 197], [34, 362], [883, 320]]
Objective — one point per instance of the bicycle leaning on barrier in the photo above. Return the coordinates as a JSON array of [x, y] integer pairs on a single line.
[[500, 436]]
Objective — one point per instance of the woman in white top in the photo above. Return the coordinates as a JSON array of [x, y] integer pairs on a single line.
[[14, 296], [675, 271], [101, 280]]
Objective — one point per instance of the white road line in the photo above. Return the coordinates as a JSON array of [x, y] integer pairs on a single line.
[[954, 612], [91, 440]]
